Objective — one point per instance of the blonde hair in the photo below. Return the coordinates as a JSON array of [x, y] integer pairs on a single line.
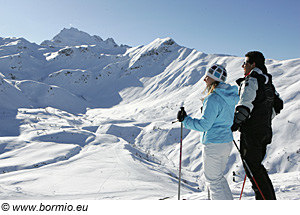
[[211, 88]]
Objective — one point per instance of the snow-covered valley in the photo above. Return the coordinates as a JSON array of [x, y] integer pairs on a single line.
[[84, 118]]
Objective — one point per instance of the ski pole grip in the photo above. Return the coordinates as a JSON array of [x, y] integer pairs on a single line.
[[182, 108]]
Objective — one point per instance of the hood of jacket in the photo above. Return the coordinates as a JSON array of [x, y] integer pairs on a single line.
[[228, 93]]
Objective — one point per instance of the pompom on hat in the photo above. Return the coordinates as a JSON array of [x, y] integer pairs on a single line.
[[217, 72]]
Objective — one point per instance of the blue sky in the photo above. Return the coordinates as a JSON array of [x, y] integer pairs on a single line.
[[212, 26]]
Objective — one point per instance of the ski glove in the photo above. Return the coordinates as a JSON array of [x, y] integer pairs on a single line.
[[181, 114], [235, 127], [241, 114]]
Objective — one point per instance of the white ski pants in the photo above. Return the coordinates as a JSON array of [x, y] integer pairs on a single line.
[[215, 158]]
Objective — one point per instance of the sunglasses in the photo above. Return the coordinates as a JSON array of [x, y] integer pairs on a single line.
[[245, 62]]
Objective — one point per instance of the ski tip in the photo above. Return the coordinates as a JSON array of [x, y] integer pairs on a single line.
[[164, 198]]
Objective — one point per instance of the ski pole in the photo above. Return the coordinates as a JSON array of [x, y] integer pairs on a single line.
[[249, 170], [180, 157], [243, 186]]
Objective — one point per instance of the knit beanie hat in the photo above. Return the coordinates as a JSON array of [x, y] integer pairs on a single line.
[[217, 72]]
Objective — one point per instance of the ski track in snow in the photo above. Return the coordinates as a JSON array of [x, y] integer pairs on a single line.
[[84, 118]]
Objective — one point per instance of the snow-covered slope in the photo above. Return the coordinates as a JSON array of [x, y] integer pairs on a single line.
[[84, 118]]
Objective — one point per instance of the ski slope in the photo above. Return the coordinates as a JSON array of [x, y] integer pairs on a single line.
[[84, 118]]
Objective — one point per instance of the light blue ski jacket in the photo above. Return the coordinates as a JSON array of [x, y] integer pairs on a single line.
[[217, 115]]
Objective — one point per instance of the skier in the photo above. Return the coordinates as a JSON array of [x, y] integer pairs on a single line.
[[215, 127], [253, 118]]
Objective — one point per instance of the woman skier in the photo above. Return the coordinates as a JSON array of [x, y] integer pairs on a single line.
[[215, 127]]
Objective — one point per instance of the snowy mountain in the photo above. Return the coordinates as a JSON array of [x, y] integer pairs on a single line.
[[84, 118], [74, 37]]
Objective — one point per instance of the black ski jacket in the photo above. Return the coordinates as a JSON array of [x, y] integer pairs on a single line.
[[256, 101]]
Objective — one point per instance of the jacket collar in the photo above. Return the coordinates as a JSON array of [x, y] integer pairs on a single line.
[[254, 70]]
